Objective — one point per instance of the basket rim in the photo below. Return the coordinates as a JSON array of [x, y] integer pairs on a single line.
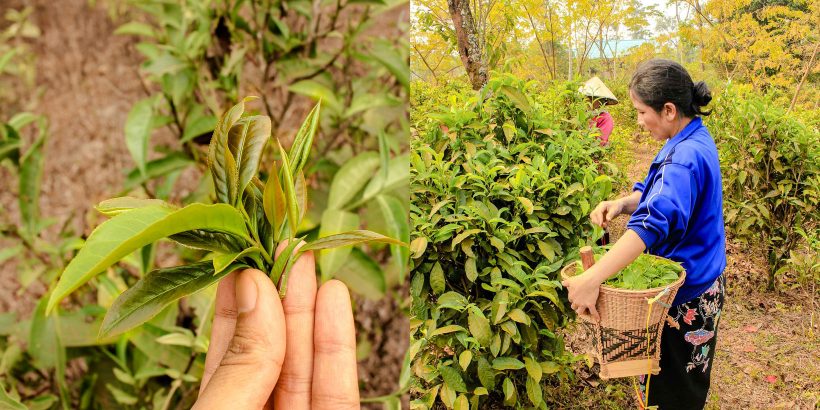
[[631, 292]]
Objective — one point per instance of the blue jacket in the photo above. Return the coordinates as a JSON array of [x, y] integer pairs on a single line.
[[680, 214]]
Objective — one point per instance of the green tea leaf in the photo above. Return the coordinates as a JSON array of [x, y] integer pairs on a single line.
[[220, 160], [437, 282], [351, 178], [447, 329], [300, 149], [210, 240], [470, 269], [507, 363], [129, 231], [418, 246], [486, 374], [317, 91], [9, 403], [45, 346], [453, 379], [333, 222], [534, 392], [259, 131], [138, 128], [136, 28], [363, 275], [533, 368], [301, 191], [197, 123], [156, 290], [9, 143], [285, 259], [479, 326], [116, 206], [510, 393], [391, 58], [464, 359], [397, 175], [31, 173], [292, 204], [349, 238], [159, 167], [274, 201], [461, 402], [76, 331], [397, 227], [223, 261]]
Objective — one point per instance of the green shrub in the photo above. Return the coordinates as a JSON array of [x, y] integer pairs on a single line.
[[502, 189], [771, 173]]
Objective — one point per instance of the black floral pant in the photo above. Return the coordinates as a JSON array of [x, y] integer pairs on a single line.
[[687, 349]]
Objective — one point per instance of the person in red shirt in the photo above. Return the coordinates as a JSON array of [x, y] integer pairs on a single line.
[[600, 95]]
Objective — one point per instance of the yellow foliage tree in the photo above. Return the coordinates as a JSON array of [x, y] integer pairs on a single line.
[[770, 45]]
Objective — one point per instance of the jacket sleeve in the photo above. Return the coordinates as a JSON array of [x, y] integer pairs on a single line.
[[665, 212]]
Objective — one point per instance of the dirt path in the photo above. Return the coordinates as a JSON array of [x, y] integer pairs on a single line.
[[768, 349]]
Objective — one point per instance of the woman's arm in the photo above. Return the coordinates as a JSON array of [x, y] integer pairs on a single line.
[[583, 289], [630, 202], [608, 210]]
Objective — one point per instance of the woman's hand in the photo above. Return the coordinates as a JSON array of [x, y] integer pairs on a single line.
[[606, 211], [299, 353], [583, 293]]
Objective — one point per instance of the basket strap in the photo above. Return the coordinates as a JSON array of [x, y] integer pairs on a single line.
[[643, 401]]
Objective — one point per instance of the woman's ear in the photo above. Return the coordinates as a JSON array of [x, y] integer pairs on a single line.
[[669, 112]]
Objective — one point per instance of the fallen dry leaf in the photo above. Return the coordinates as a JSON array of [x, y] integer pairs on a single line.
[[751, 328]]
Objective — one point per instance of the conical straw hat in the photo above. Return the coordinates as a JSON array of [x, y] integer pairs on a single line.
[[594, 87]]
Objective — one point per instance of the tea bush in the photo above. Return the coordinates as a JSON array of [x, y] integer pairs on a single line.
[[771, 174], [502, 189]]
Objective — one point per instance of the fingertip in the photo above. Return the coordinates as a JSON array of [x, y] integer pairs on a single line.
[[284, 244], [336, 288]]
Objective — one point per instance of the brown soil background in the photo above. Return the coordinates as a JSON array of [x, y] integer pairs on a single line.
[[88, 81]]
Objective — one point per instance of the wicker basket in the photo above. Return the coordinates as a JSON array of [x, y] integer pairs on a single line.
[[619, 340]]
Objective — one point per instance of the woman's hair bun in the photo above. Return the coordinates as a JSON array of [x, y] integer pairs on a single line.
[[701, 96]]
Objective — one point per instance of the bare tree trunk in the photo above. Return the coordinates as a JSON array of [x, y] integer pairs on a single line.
[[538, 39], [469, 47], [552, 41], [805, 74]]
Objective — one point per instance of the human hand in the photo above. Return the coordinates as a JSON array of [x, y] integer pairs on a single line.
[[583, 292], [297, 353], [605, 212]]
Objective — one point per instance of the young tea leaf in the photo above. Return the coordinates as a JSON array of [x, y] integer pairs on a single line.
[[129, 231], [333, 222], [300, 150], [156, 290]]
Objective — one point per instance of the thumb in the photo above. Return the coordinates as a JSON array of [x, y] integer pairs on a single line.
[[250, 367]]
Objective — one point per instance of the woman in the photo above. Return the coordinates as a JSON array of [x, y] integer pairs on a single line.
[[677, 213], [598, 94]]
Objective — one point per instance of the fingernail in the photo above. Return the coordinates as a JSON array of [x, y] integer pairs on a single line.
[[245, 292]]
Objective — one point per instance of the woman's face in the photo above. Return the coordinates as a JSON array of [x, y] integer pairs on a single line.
[[661, 125]]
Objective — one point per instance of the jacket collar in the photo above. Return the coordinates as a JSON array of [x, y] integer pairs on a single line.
[[684, 134]]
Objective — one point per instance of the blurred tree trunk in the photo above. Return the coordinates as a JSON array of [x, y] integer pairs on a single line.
[[468, 42]]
